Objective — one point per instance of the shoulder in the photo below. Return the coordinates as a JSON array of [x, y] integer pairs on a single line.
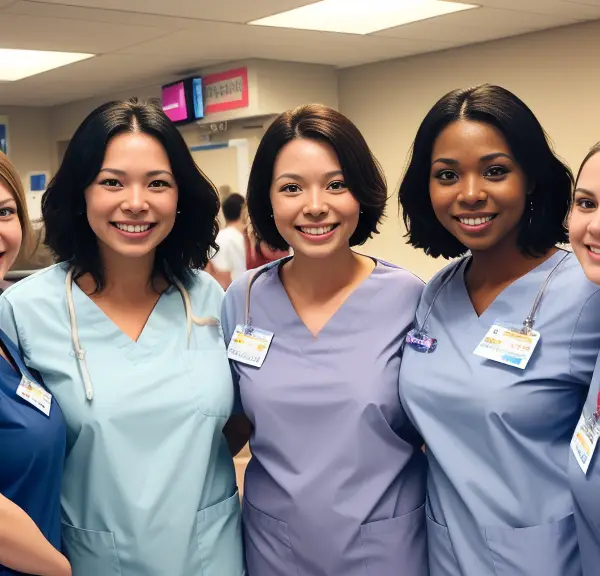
[[205, 293], [399, 280], [440, 277], [39, 286]]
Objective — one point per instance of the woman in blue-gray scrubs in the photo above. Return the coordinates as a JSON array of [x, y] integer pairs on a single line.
[[584, 470], [506, 338], [336, 484], [32, 427], [125, 332]]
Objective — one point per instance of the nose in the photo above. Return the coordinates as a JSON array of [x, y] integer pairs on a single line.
[[316, 204], [135, 200], [471, 192], [594, 225]]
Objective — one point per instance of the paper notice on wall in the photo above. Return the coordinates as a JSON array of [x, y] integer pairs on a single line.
[[4, 134]]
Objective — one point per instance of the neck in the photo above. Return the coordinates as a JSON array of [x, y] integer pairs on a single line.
[[319, 279], [238, 225], [125, 278], [501, 265]]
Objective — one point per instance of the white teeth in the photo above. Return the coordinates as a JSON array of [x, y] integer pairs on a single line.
[[594, 250], [317, 231], [132, 228], [475, 221]]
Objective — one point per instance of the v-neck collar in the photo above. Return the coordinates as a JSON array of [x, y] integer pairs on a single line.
[[491, 313], [344, 315], [149, 338]]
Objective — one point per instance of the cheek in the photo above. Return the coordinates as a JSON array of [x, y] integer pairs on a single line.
[[12, 236], [577, 228]]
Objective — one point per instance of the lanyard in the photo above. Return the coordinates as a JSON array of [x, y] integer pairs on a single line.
[[80, 353], [529, 321]]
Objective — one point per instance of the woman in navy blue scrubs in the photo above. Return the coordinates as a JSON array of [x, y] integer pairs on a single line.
[[584, 468], [32, 429]]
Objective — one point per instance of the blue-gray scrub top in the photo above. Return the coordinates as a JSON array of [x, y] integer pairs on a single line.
[[497, 437], [586, 493], [336, 484], [149, 484]]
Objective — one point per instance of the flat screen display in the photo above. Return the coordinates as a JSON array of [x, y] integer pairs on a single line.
[[197, 98], [175, 102]]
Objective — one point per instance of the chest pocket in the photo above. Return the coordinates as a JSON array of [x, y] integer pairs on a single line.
[[210, 379]]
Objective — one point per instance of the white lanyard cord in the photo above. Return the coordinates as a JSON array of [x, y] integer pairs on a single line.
[[80, 352]]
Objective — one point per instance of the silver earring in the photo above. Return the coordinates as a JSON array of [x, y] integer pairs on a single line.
[[530, 212], [178, 211]]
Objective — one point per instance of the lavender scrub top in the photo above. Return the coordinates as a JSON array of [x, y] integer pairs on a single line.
[[336, 484]]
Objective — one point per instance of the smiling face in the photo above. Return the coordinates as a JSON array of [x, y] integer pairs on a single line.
[[132, 203], [477, 189], [11, 233], [584, 221], [314, 211]]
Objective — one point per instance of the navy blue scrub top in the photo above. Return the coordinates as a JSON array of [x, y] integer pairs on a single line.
[[32, 450]]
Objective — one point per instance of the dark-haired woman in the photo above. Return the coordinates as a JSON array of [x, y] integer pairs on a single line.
[[124, 332], [505, 342], [337, 479]]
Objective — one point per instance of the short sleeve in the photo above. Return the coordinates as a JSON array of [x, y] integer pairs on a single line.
[[8, 324], [585, 342]]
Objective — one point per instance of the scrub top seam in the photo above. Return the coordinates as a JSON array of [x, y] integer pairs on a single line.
[[583, 308]]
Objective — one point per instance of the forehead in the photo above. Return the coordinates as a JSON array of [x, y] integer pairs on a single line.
[[590, 174], [305, 155], [465, 137], [127, 147], [6, 192]]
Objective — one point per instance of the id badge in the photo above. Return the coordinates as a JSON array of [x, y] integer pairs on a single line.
[[249, 345], [508, 345], [37, 396], [585, 440]]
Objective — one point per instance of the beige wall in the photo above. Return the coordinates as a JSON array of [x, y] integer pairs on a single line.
[[555, 72], [29, 139]]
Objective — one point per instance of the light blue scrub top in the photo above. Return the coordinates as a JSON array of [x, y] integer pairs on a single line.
[[497, 437], [586, 493], [149, 485], [336, 483]]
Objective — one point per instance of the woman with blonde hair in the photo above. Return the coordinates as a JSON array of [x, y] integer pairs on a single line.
[[32, 429]]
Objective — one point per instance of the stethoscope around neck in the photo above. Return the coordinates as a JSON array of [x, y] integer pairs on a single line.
[[80, 353]]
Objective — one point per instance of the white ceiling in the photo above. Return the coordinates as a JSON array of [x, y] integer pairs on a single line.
[[142, 42]]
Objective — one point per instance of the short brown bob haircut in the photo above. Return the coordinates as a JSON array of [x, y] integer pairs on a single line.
[[362, 173]]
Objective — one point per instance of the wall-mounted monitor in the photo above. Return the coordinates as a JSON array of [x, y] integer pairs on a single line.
[[182, 101]]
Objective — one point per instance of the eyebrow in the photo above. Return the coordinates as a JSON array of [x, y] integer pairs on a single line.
[[486, 158], [7, 201], [123, 173], [292, 176], [584, 191]]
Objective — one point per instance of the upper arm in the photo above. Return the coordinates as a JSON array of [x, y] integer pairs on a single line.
[[585, 341]]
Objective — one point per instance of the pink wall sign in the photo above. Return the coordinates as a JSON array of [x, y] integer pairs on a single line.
[[173, 102], [226, 91]]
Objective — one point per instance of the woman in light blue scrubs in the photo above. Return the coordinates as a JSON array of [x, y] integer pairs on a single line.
[[124, 331], [336, 483], [495, 374], [584, 470]]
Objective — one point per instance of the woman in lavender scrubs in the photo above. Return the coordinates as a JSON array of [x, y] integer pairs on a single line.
[[336, 484], [584, 474]]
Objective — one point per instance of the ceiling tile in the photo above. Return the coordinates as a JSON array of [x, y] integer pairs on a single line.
[[551, 7], [224, 11], [30, 32]]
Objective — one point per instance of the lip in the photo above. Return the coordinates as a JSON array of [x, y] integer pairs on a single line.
[[594, 257], [134, 235], [321, 237], [477, 228]]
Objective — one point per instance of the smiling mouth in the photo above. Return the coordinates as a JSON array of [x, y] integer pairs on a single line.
[[317, 231], [479, 221], [594, 250], [133, 228]]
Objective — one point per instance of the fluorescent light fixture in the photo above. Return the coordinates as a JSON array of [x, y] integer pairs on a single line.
[[360, 16], [19, 64]]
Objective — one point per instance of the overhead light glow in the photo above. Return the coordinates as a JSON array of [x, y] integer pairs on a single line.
[[360, 16], [19, 64]]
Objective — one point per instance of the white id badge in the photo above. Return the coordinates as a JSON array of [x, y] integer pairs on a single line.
[[249, 345], [584, 441], [33, 393], [508, 346]]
